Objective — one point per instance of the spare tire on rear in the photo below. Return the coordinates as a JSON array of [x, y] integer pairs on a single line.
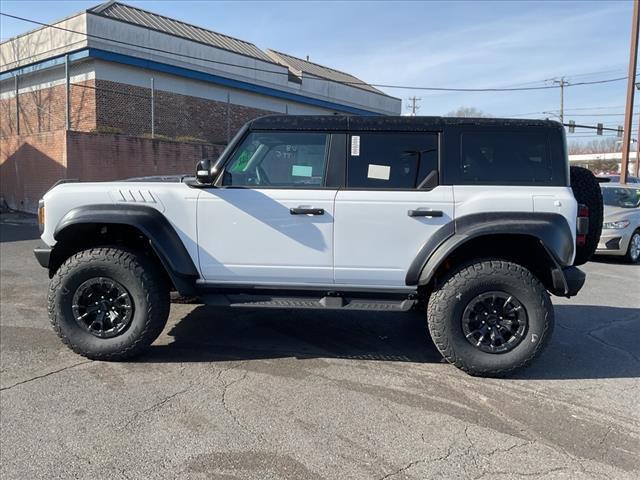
[[587, 191]]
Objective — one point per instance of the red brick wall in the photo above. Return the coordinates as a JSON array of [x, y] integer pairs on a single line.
[[29, 165], [44, 110]]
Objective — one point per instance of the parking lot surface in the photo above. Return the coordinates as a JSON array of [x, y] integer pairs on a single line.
[[301, 394]]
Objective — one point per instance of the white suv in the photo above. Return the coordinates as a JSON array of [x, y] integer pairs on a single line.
[[473, 219]]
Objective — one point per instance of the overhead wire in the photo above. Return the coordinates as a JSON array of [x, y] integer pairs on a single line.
[[315, 77]]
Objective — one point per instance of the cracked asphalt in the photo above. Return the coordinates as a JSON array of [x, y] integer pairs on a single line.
[[277, 394]]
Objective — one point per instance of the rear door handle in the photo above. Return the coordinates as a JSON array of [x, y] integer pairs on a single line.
[[306, 211], [424, 213]]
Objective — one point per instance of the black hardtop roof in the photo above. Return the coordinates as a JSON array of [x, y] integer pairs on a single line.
[[386, 123]]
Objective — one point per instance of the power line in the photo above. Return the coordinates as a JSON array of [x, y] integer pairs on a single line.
[[497, 89], [315, 77]]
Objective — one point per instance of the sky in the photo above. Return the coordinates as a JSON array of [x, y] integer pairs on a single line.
[[465, 44]]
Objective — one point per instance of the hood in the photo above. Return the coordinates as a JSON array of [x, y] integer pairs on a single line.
[[612, 213], [158, 178]]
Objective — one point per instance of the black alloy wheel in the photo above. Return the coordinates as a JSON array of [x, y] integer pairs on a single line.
[[494, 322], [103, 307]]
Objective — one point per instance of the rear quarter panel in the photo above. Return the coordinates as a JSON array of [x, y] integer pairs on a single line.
[[472, 199]]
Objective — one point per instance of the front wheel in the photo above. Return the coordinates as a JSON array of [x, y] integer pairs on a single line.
[[108, 303], [490, 317], [633, 251]]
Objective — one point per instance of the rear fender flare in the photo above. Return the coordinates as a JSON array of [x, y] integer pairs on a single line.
[[551, 229]]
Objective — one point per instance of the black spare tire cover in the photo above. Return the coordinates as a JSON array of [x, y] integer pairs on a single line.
[[586, 190]]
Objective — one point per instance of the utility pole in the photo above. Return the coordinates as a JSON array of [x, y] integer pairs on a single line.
[[637, 172], [562, 82], [17, 104], [414, 107], [631, 80], [153, 108], [67, 99]]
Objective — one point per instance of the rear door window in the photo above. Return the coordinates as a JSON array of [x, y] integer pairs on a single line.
[[506, 158], [396, 161]]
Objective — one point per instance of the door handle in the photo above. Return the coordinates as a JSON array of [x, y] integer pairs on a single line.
[[425, 213], [306, 211]]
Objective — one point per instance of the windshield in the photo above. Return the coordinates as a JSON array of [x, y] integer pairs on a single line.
[[621, 197]]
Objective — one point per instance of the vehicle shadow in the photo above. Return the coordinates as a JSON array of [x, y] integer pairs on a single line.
[[589, 342], [16, 231], [220, 333]]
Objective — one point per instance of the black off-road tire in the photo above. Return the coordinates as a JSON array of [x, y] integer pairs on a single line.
[[145, 284], [448, 302], [587, 191]]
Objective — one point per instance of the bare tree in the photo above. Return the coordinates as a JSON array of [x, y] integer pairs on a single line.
[[468, 112], [600, 145]]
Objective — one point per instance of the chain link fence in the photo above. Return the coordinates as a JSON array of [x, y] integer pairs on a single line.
[[150, 109]]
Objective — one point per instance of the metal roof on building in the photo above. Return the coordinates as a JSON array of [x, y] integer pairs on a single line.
[[171, 26], [300, 66]]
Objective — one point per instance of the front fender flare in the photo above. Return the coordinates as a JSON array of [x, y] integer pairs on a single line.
[[154, 225]]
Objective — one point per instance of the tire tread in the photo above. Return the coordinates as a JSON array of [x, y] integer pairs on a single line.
[[157, 298], [461, 279]]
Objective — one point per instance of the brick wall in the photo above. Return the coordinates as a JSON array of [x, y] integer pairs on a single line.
[[30, 164], [101, 103], [44, 110], [128, 108], [104, 157]]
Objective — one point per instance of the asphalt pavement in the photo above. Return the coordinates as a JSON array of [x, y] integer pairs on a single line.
[[301, 394]]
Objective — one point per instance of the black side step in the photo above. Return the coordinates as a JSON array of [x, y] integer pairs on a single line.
[[323, 303]]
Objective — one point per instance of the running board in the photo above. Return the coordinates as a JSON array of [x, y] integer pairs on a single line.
[[321, 303]]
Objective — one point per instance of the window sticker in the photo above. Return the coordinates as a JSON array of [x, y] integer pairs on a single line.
[[301, 171], [355, 146], [379, 172]]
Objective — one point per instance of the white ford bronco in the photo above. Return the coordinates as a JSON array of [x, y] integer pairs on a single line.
[[473, 220]]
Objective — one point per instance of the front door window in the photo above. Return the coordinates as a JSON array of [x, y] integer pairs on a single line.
[[278, 159]]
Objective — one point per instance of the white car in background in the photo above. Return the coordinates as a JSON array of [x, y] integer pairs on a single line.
[[621, 224]]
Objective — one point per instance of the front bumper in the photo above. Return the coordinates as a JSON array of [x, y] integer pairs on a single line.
[[614, 241], [43, 255]]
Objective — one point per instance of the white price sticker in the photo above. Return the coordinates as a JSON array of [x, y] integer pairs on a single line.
[[355, 146], [379, 172]]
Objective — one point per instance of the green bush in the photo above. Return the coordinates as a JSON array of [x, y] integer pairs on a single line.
[[157, 136], [106, 129], [188, 138]]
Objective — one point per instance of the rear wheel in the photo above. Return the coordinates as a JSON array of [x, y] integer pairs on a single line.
[[490, 317], [633, 250], [108, 303], [586, 190]]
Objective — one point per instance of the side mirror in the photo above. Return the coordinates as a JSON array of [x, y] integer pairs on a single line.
[[204, 172]]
